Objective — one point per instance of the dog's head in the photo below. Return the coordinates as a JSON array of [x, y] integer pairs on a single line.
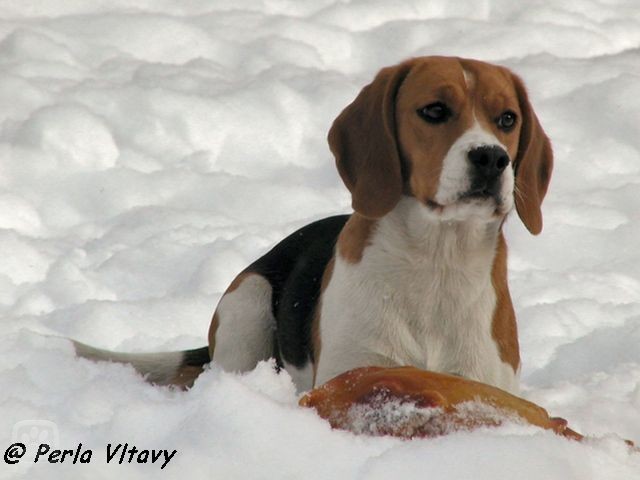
[[458, 135]]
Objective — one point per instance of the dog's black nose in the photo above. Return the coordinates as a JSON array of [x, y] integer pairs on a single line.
[[488, 161]]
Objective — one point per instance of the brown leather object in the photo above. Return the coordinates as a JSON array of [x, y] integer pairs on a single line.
[[408, 402]]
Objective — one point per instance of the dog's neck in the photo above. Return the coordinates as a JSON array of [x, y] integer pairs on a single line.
[[413, 229]]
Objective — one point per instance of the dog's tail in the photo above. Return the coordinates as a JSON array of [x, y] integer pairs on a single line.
[[178, 369]]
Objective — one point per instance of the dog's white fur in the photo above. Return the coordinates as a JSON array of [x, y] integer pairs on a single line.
[[402, 304], [245, 326]]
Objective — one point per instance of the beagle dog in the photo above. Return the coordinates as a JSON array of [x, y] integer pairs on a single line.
[[436, 152]]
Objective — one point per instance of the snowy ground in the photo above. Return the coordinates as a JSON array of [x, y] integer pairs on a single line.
[[149, 150]]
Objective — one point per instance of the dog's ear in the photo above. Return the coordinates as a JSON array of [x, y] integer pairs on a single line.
[[533, 164], [363, 141]]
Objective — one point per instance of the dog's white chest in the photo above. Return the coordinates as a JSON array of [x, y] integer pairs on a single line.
[[431, 309], [436, 319]]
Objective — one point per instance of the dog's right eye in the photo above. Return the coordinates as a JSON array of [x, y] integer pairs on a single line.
[[436, 112]]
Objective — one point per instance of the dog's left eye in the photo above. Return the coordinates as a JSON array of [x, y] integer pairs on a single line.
[[507, 120]]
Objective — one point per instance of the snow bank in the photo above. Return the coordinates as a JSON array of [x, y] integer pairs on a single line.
[[149, 150]]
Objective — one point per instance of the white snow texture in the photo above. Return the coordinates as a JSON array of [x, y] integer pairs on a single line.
[[151, 149]]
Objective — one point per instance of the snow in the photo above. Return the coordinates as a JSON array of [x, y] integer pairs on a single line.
[[150, 150]]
